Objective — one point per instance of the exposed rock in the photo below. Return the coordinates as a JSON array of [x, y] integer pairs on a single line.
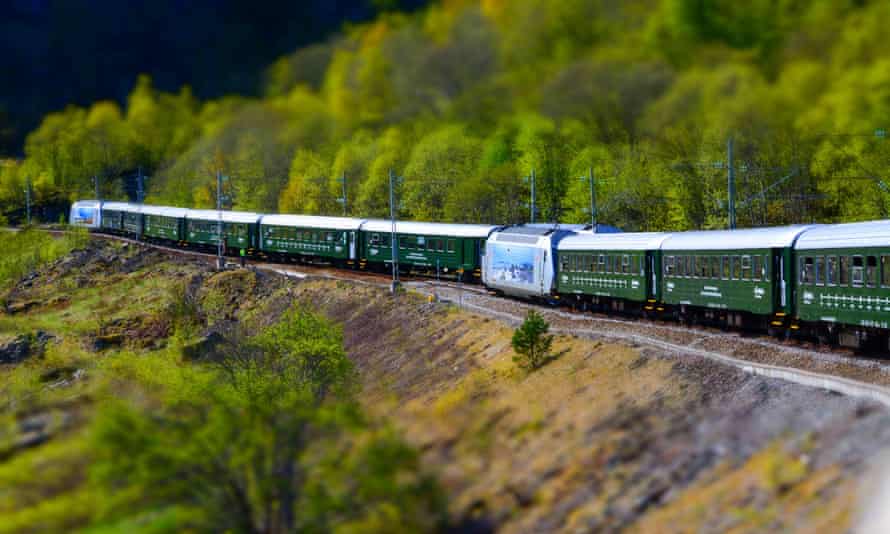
[[13, 308], [24, 347], [205, 348], [106, 341]]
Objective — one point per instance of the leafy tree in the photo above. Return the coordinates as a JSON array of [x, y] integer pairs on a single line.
[[308, 189], [267, 440], [439, 163], [532, 343], [391, 154]]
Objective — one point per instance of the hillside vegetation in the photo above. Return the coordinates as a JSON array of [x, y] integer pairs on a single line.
[[146, 393], [466, 98], [140, 393]]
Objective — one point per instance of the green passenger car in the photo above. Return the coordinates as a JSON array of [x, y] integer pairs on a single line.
[[748, 271], [592, 267], [327, 238], [113, 215], [427, 247], [240, 229], [165, 223], [843, 275]]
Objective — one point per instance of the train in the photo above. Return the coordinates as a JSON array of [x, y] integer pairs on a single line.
[[829, 282]]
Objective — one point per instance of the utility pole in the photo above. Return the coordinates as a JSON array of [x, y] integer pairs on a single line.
[[395, 250], [731, 178], [28, 199], [219, 229], [592, 198], [140, 187], [534, 197], [343, 181]]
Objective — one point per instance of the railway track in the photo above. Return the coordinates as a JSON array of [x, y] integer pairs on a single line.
[[841, 372]]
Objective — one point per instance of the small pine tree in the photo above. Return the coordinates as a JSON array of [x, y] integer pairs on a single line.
[[531, 342]]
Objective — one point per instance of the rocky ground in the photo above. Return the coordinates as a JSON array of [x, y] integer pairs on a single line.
[[608, 437]]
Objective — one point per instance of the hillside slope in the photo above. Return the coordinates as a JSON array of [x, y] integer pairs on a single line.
[[606, 438]]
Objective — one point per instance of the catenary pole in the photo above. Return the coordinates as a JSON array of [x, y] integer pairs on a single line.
[[28, 199], [219, 231], [343, 181], [140, 187], [534, 198], [395, 250], [731, 185], [593, 214]]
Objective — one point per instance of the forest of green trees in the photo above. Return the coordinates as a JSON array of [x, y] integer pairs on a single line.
[[465, 98]]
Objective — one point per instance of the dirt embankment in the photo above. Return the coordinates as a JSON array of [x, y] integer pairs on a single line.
[[608, 437]]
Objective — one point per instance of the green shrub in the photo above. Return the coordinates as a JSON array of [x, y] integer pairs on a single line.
[[531, 342]]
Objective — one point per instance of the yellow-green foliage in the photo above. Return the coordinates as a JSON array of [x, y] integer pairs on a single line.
[[464, 98], [26, 251]]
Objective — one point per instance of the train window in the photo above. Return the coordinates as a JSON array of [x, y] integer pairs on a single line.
[[608, 264], [635, 264], [885, 271], [746, 268], [819, 268], [451, 245], [755, 270], [375, 239], [844, 271], [668, 265], [403, 242], [704, 267], [806, 270], [857, 273], [329, 236], [601, 264], [625, 264], [736, 267], [871, 271], [831, 270], [725, 268], [715, 267], [766, 268], [681, 266]]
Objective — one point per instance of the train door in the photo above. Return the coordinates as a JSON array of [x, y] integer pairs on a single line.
[[651, 276], [352, 245]]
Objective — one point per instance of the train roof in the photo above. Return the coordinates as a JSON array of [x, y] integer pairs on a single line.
[[121, 206], [164, 211], [750, 238], [86, 203], [225, 216], [311, 221], [427, 229], [848, 235], [613, 241]]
